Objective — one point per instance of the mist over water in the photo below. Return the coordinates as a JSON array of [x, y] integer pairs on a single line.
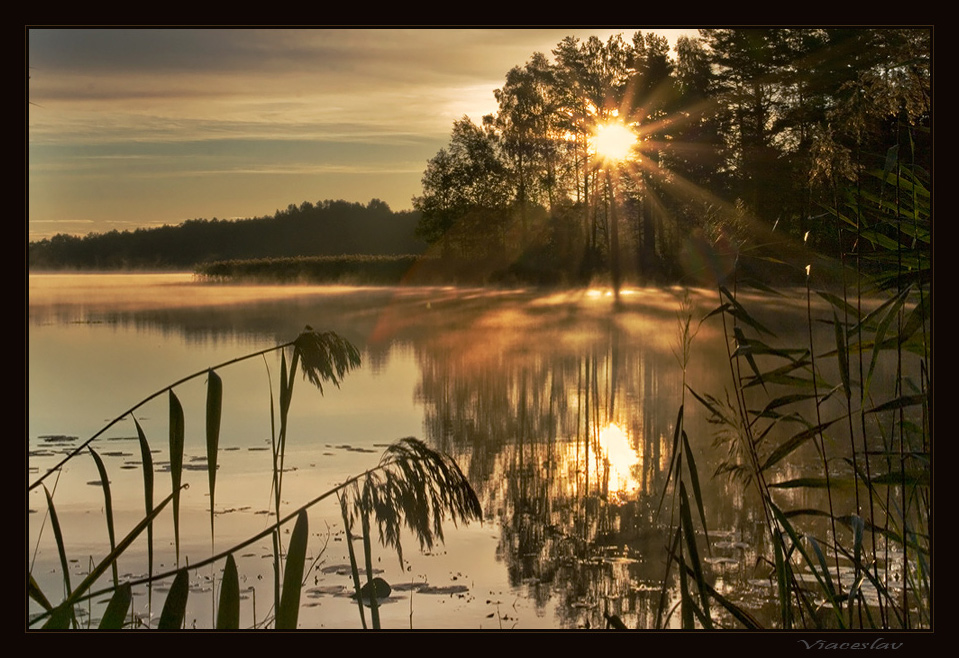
[[559, 407]]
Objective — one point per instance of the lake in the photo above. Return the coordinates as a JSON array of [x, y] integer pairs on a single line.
[[559, 406]]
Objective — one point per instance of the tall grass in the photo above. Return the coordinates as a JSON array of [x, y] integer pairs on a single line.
[[412, 485], [835, 566]]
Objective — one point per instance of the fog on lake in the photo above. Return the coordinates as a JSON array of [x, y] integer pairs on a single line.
[[559, 406]]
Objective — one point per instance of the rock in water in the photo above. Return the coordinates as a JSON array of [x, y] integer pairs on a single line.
[[378, 588]]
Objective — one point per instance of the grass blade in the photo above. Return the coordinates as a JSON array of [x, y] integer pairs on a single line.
[[228, 615], [697, 492], [116, 611], [289, 608], [33, 590], [354, 569], [830, 589], [58, 535], [687, 523], [782, 581], [176, 463], [674, 452], [794, 442], [147, 459], [214, 403], [174, 608], [108, 509], [841, 354]]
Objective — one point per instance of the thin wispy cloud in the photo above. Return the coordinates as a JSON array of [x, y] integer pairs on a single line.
[[318, 105]]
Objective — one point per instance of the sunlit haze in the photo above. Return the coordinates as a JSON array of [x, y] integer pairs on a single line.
[[134, 128], [614, 141]]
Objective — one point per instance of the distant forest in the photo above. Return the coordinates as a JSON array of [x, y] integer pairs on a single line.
[[749, 145], [326, 228]]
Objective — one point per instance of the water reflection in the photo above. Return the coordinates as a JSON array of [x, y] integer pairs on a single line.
[[559, 409]]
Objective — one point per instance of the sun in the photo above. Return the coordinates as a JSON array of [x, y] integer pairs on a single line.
[[614, 141]]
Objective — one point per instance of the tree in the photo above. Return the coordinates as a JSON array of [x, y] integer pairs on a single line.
[[466, 193]]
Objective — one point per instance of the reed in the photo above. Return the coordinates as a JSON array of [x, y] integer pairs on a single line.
[[412, 485], [870, 564]]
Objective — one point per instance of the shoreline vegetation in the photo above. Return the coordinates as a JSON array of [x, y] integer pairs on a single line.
[[766, 158]]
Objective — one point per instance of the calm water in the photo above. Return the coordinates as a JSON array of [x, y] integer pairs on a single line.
[[558, 408]]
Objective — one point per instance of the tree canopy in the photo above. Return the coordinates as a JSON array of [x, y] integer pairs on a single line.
[[740, 132]]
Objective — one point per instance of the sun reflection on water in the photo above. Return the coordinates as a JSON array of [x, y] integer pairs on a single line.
[[619, 461]]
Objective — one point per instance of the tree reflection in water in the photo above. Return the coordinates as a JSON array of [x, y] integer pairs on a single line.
[[566, 430]]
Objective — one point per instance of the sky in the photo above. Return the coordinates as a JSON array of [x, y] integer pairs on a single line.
[[130, 128]]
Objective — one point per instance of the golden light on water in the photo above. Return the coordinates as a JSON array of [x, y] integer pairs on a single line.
[[621, 458]]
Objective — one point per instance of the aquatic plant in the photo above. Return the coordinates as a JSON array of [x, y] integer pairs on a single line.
[[869, 566], [412, 485]]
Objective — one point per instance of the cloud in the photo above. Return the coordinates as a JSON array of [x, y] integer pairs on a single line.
[[124, 106]]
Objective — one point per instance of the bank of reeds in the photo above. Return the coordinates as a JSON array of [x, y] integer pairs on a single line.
[[352, 269], [411, 486], [860, 564]]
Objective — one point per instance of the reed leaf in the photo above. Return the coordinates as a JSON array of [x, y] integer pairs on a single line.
[[697, 492], [76, 451], [881, 330], [354, 569], [784, 400], [228, 614], [370, 584], [741, 615], [812, 483], [690, 535], [740, 313], [288, 610], [794, 442], [176, 463], [743, 348], [35, 593], [910, 478], [797, 544], [899, 403], [675, 452], [841, 354], [839, 303], [60, 618], [58, 536], [122, 546], [116, 612], [214, 403], [146, 458], [827, 577], [174, 608], [783, 579], [108, 509]]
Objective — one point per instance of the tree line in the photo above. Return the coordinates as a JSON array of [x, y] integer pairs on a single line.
[[325, 228], [745, 138]]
